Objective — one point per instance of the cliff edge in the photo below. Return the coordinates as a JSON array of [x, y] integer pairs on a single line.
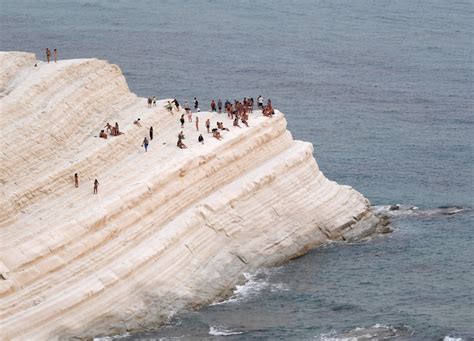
[[169, 228]]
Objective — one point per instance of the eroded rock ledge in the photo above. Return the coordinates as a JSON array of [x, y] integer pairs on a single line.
[[169, 229]]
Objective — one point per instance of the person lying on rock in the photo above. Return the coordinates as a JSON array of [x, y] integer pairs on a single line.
[[137, 122]]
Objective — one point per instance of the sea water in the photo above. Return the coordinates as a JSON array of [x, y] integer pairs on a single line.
[[383, 90]]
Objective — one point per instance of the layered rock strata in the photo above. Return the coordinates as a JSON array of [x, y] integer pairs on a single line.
[[169, 228]]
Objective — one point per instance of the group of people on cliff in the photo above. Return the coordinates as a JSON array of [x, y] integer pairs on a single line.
[[237, 111]]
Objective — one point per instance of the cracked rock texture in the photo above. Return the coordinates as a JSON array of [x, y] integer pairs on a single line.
[[169, 229]]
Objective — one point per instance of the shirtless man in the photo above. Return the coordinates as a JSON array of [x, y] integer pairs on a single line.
[[149, 101], [197, 123], [55, 54], [208, 125], [109, 127], [137, 122], [48, 54], [103, 135]]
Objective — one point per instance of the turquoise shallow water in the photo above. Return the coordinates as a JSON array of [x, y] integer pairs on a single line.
[[383, 89]]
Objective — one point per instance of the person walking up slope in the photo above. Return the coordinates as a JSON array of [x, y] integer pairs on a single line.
[[145, 144]]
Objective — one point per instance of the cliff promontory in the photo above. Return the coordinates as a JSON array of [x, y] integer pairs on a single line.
[[170, 228]]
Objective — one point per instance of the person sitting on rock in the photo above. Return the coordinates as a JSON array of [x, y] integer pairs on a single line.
[[102, 134], [216, 134], [201, 139], [137, 122], [181, 135], [236, 122], [180, 144], [220, 125], [169, 107]]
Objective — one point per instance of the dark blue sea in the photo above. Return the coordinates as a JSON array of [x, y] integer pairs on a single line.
[[384, 91]]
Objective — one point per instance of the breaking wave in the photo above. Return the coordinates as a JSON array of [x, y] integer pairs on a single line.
[[221, 331], [377, 332], [254, 284], [410, 210]]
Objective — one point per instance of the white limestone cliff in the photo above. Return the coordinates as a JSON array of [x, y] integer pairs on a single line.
[[168, 229]]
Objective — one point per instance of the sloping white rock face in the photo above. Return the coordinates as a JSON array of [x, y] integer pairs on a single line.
[[168, 229]]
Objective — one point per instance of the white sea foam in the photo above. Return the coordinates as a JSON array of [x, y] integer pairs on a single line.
[[452, 338], [221, 331], [377, 331], [254, 284], [410, 210]]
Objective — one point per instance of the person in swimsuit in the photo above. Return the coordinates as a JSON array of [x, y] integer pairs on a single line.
[[154, 101], [219, 106], [109, 127], [196, 103], [137, 122], [213, 106], [197, 123], [48, 54], [182, 121], [102, 134], [55, 54], [149, 101], [76, 180], [96, 186], [208, 125]]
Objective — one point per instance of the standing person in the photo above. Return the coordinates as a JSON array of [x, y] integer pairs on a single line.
[[219, 106], [260, 102], [175, 101], [145, 144], [190, 116], [197, 123], [76, 180], [182, 120], [96, 186], [151, 133], [213, 105], [149, 101], [251, 104], [186, 107], [154, 101], [208, 125], [55, 54], [201, 139], [196, 103], [48, 54]]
